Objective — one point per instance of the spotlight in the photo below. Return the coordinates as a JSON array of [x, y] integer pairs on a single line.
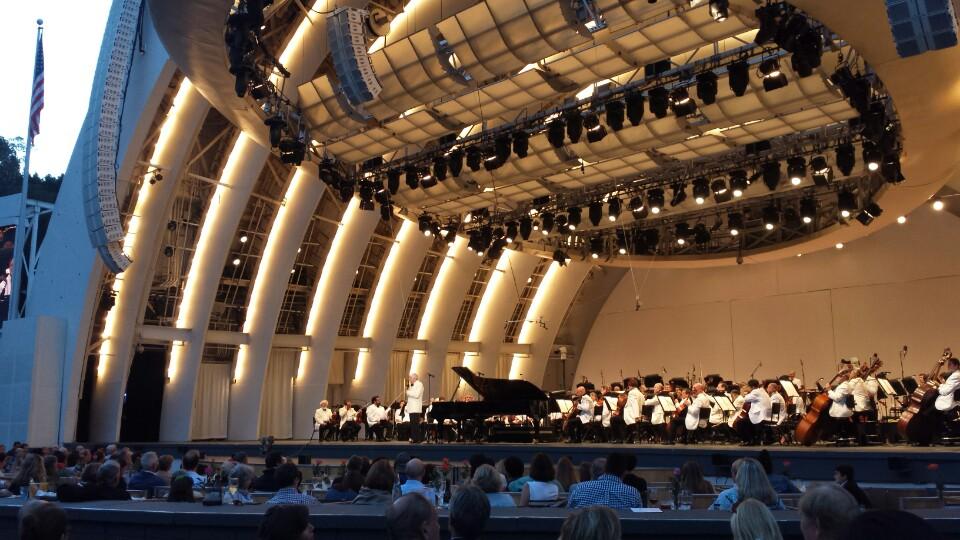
[[621, 243], [846, 158], [871, 156], [613, 208], [526, 227], [346, 192], [597, 134], [682, 232], [701, 235], [808, 209], [496, 248], [596, 247], [720, 192], [773, 78], [521, 143], [659, 101], [560, 257], [770, 217], [701, 190], [292, 151], [512, 232], [890, 169], [707, 87], [796, 170], [839, 245], [937, 204], [561, 223], [738, 75], [427, 180], [655, 200], [455, 162], [822, 172], [501, 147], [615, 114], [738, 182], [366, 196], [573, 217], [412, 178], [634, 102], [901, 219], [473, 158], [679, 190], [846, 203], [574, 126], [590, 119], [236, 262], [276, 124], [869, 213], [735, 223], [440, 168], [719, 10], [546, 223], [386, 211], [768, 16], [637, 208], [450, 232], [595, 212], [681, 104], [771, 174], [555, 131], [168, 251]]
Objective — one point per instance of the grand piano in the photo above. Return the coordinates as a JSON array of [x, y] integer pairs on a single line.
[[500, 397]]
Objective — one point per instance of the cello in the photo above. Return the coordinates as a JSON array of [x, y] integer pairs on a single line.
[[811, 426], [916, 424]]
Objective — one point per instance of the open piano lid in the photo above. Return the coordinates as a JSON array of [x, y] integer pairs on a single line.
[[500, 389]]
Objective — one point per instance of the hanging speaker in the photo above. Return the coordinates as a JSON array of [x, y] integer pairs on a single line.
[[348, 49]]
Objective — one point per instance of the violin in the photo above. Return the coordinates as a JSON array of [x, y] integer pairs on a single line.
[[811, 426], [916, 424]]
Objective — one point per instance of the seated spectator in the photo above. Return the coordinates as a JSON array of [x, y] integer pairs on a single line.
[[692, 480], [843, 475], [31, 470], [286, 522], [105, 488], [781, 484], [244, 475], [491, 482], [592, 523], [825, 511], [542, 488], [513, 469], [585, 471], [639, 484], [469, 512], [753, 521], [345, 488], [51, 472], [287, 478], [415, 470], [412, 517], [566, 473], [41, 520], [181, 490], [400, 466], [378, 486], [188, 466], [89, 474], [889, 524], [266, 482], [163, 468], [146, 478], [608, 489], [750, 483]]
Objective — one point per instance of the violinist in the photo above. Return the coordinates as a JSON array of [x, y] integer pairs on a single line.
[[773, 390], [698, 400], [580, 415], [865, 390], [675, 425], [759, 402], [947, 403], [656, 417], [631, 410], [349, 426], [841, 408]]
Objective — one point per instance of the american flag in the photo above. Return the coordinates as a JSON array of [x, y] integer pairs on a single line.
[[36, 101]]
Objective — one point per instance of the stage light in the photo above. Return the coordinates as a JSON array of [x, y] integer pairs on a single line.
[[596, 247], [595, 212], [615, 114], [637, 208], [791, 219], [513, 231], [292, 151], [236, 262], [651, 241], [501, 147], [846, 203], [276, 124], [560, 222], [707, 87], [937, 204], [701, 235], [822, 172], [346, 191], [719, 10], [634, 103], [869, 213], [412, 178], [386, 212], [590, 119], [720, 192], [423, 223], [473, 158], [450, 232], [701, 190], [655, 200], [682, 232], [613, 208], [890, 169], [681, 104], [555, 131], [243, 239], [770, 217], [871, 156], [735, 223], [496, 248], [901, 219], [659, 101], [440, 168], [427, 180], [574, 126], [839, 245], [738, 75], [521, 143], [597, 134], [738, 182], [679, 193], [526, 227], [808, 209], [771, 174], [455, 162], [768, 16], [366, 196], [560, 257], [468, 217], [546, 223], [846, 158], [796, 170], [773, 78], [573, 217]]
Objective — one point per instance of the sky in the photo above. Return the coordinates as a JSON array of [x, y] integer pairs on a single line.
[[72, 35]]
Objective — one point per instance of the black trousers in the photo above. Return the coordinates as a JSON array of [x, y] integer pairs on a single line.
[[324, 432], [416, 433], [376, 430]]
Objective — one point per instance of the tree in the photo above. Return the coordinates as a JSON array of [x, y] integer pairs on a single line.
[[44, 189]]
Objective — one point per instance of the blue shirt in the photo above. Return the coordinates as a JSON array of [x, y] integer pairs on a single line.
[[607, 490], [729, 497], [517, 484], [288, 495], [198, 481], [500, 500], [416, 486], [145, 480]]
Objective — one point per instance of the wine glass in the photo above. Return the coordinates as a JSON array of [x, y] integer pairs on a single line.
[[233, 486]]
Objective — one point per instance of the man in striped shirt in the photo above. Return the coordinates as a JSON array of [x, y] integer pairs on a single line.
[[608, 489], [288, 479]]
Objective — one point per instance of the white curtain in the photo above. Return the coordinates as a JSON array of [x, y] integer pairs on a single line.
[[276, 411], [211, 401], [397, 373], [449, 379], [503, 366]]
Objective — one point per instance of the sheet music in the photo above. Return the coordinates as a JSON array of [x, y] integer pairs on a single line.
[[666, 402], [789, 388], [611, 402], [724, 403], [564, 405], [887, 387]]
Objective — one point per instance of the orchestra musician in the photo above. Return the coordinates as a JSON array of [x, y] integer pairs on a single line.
[[604, 418], [675, 424], [759, 401], [348, 421], [947, 403], [657, 419], [376, 419], [798, 384], [415, 407], [864, 404], [631, 411], [580, 416], [841, 408], [323, 421], [698, 400], [776, 398]]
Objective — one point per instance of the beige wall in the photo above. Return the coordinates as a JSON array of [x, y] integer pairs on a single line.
[[901, 285]]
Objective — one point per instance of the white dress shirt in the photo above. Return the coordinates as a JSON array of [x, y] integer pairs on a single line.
[[347, 414], [375, 414], [656, 417], [631, 410], [692, 420], [777, 398], [322, 416], [839, 408], [585, 409], [716, 413], [864, 392], [415, 398], [945, 400], [759, 401], [605, 413]]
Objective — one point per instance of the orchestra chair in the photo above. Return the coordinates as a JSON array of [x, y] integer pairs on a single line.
[[921, 503], [704, 430]]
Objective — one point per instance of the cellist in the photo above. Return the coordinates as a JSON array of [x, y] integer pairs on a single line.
[[841, 408], [947, 403]]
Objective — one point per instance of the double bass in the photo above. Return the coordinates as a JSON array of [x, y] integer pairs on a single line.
[[811, 426], [916, 424]]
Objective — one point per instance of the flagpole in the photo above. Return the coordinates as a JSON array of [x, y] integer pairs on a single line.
[[16, 283]]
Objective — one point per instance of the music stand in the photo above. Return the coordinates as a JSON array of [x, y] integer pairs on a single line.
[[679, 382], [886, 389], [564, 405], [611, 402], [789, 388], [667, 404], [724, 403], [909, 384], [650, 380]]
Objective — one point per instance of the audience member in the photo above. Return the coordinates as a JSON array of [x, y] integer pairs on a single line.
[[566, 473], [181, 490], [414, 484], [146, 478], [378, 485], [825, 511], [491, 482], [843, 475], [163, 468], [345, 488], [469, 512], [692, 480], [591, 523], [105, 487], [513, 468], [286, 522], [266, 481], [584, 471], [542, 488], [89, 474], [51, 472], [41, 520], [412, 517], [750, 483], [781, 484], [244, 475], [608, 489], [31, 470], [476, 460], [188, 467], [639, 484], [287, 478], [400, 467], [875, 524], [753, 521]]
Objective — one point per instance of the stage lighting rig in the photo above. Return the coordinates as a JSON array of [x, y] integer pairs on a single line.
[[796, 170], [738, 75], [659, 101], [655, 200], [821, 171], [773, 78], [701, 190], [634, 105], [615, 114], [613, 208], [681, 104], [808, 209], [735, 223], [846, 203], [870, 212]]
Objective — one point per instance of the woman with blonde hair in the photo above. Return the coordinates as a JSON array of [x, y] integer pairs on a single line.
[[592, 523], [752, 520], [566, 473], [491, 482], [751, 483], [31, 470]]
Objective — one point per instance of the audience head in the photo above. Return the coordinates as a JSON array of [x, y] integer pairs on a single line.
[[765, 461], [239, 457], [637, 483], [89, 474], [273, 459], [597, 467], [190, 460], [753, 383], [181, 489], [415, 469], [875, 524], [593, 523], [566, 473], [355, 463], [541, 468], [513, 466], [825, 512], [149, 461], [752, 482], [585, 470], [476, 460], [165, 463], [244, 475], [380, 476], [753, 521], [31, 470], [617, 464], [286, 475], [412, 517], [286, 522], [488, 479], [843, 474], [41, 520], [691, 476], [469, 512], [109, 474]]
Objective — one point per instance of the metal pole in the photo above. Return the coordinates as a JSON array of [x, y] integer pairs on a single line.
[[18, 269]]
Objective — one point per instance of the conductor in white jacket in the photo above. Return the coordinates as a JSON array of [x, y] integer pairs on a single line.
[[415, 406]]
